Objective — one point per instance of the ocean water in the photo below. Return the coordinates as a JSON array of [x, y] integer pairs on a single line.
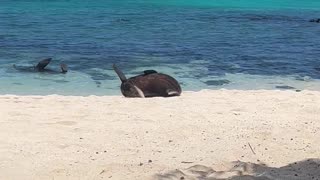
[[204, 44]]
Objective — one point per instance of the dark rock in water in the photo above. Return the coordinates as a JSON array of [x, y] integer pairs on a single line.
[[98, 83], [305, 78], [17, 84], [217, 82], [285, 87], [100, 77], [315, 20], [60, 81], [298, 90], [122, 20], [259, 17]]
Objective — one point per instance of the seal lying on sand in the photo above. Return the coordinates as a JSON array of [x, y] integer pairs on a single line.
[[149, 84], [40, 67]]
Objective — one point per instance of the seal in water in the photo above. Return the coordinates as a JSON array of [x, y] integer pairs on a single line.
[[40, 67], [149, 84], [315, 20]]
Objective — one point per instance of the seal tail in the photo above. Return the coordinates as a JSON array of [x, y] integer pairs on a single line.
[[119, 73]]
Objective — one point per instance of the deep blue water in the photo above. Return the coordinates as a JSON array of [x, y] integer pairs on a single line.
[[207, 45]]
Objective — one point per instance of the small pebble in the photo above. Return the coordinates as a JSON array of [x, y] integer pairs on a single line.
[[140, 164], [150, 161]]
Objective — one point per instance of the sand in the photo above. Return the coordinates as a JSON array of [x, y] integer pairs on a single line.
[[211, 134]]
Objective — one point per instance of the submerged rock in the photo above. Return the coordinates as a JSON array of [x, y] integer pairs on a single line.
[[60, 81], [17, 83], [122, 20], [285, 87], [217, 82], [305, 78]]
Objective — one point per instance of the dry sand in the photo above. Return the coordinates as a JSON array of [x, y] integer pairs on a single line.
[[195, 136]]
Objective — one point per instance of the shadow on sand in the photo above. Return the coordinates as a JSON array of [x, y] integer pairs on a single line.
[[303, 170]]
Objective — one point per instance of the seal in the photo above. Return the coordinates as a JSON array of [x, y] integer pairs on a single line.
[[41, 67], [149, 84], [315, 20], [42, 64]]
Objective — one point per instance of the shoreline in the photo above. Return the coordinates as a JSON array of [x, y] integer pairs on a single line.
[[184, 92], [113, 137]]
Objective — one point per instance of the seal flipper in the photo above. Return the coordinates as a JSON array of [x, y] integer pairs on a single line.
[[42, 64], [172, 93], [120, 73], [146, 72], [141, 94]]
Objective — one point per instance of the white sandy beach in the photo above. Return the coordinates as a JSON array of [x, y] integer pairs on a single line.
[[196, 136]]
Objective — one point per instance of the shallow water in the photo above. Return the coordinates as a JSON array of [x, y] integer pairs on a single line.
[[212, 44]]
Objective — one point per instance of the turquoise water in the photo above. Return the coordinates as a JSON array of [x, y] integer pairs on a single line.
[[209, 44], [245, 4]]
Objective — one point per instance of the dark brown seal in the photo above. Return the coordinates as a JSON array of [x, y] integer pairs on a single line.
[[41, 67], [149, 84]]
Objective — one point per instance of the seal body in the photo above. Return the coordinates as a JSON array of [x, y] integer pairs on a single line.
[[149, 84], [41, 67], [315, 20]]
